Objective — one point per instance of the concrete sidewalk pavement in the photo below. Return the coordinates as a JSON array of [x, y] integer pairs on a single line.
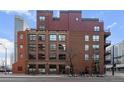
[[116, 74], [108, 74], [25, 75]]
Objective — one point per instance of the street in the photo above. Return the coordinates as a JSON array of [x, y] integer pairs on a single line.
[[119, 77], [61, 79]]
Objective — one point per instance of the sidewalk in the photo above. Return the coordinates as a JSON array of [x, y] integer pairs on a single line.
[[108, 74], [116, 74], [25, 75]]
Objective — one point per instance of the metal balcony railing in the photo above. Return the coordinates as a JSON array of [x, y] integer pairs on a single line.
[[107, 33], [107, 43]]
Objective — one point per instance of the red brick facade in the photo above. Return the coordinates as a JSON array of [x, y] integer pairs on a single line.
[[68, 53]]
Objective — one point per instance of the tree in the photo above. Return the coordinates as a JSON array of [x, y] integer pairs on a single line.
[[70, 56]]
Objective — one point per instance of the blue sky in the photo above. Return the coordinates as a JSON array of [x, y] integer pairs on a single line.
[[7, 22], [112, 19]]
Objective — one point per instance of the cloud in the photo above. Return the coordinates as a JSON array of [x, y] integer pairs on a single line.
[[28, 13], [10, 49], [112, 25]]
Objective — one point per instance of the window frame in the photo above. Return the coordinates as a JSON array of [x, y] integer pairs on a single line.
[[60, 37], [52, 38], [96, 37], [86, 37], [96, 28]]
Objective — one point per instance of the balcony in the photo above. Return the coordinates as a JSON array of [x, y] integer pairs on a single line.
[[108, 52], [107, 43], [107, 33], [108, 61]]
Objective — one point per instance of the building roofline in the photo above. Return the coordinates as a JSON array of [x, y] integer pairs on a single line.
[[61, 11], [90, 19]]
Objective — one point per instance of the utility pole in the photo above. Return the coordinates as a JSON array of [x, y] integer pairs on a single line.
[[113, 65]]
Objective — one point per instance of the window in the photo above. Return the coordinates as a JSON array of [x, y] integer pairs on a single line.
[[56, 14], [52, 68], [41, 66], [62, 56], [96, 28], [21, 46], [95, 47], [86, 57], [42, 27], [62, 47], [32, 47], [41, 56], [62, 37], [41, 37], [52, 56], [96, 57], [32, 37], [95, 37], [21, 36], [41, 47], [32, 56], [42, 18], [86, 47], [52, 46], [86, 37], [53, 37]]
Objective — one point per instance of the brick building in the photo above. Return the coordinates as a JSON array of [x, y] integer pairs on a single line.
[[63, 43]]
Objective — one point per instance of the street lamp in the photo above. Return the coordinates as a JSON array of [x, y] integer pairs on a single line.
[[5, 57]]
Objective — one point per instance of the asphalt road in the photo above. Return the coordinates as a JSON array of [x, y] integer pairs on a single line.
[[62, 79]]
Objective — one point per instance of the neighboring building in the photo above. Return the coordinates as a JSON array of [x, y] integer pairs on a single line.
[[118, 55], [11, 59], [62, 42], [20, 25]]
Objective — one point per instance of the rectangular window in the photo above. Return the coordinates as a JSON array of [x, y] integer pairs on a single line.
[[52, 56], [32, 37], [52, 68], [32, 56], [96, 47], [95, 37], [41, 37], [96, 57], [53, 37], [86, 47], [86, 37], [52, 46], [62, 56], [42, 18], [56, 14], [41, 47], [32, 47], [62, 47], [62, 37], [21, 46], [41, 56], [96, 28], [21, 36], [42, 27], [86, 57]]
